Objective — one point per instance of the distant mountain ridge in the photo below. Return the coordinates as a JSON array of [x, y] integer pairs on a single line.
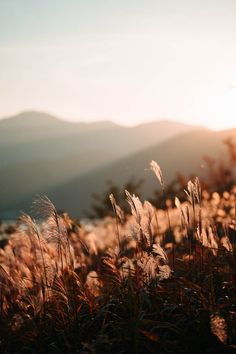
[[34, 136], [183, 153], [40, 152], [30, 118], [35, 119]]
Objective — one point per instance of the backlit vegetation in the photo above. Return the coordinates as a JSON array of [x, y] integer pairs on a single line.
[[152, 280]]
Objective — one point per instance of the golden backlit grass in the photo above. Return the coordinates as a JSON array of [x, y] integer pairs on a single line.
[[156, 281]]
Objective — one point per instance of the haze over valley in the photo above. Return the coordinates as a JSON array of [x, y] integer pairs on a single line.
[[41, 154]]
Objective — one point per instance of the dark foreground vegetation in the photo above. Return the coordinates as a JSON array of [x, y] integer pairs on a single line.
[[148, 281]]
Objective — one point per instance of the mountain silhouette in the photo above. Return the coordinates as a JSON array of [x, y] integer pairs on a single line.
[[41, 154]]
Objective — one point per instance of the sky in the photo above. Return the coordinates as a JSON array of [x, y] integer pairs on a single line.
[[128, 61]]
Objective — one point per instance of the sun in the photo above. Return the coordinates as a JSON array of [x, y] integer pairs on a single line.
[[220, 108]]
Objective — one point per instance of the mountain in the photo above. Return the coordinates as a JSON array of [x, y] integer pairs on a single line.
[[32, 136], [181, 153], [40, 152], [31, 119]]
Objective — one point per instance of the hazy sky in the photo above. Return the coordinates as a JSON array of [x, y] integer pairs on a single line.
[[123, 60]]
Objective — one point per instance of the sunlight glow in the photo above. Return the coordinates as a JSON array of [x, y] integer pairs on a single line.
[[130, 63]]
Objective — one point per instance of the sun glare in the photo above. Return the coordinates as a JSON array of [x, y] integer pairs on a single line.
[[218, 107]]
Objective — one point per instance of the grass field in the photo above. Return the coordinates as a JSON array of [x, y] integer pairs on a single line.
[[150, 281]]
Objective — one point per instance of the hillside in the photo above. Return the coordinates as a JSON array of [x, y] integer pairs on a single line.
[[40, 152], [182, 153], [34, 135]]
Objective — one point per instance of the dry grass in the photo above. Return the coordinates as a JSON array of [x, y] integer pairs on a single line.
[[155, 281]]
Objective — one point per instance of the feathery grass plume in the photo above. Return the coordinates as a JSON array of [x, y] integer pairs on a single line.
[[198, 191], [157, 170], [178, 204], [219, 327], [198, 195], [208, 239], [149, 213], [225, 241], [149, 266], [154, 265], [191, 196], [69, 283], [149, 210], [179, 207], [117, 209], [93, 283], [119, 215], [110, 274], [31, 224], [160, 253], [43, 208], [194, 192], [188, 217], [56, 230], [136, 207], [127, 267], [191, 193], [142, 236], [201, 236], [213, 242], [164, 272]]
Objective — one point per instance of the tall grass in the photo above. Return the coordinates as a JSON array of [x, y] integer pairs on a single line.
[[146, 282]]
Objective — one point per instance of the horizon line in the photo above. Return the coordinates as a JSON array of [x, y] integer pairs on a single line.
[[113, 121], [106, 120]]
